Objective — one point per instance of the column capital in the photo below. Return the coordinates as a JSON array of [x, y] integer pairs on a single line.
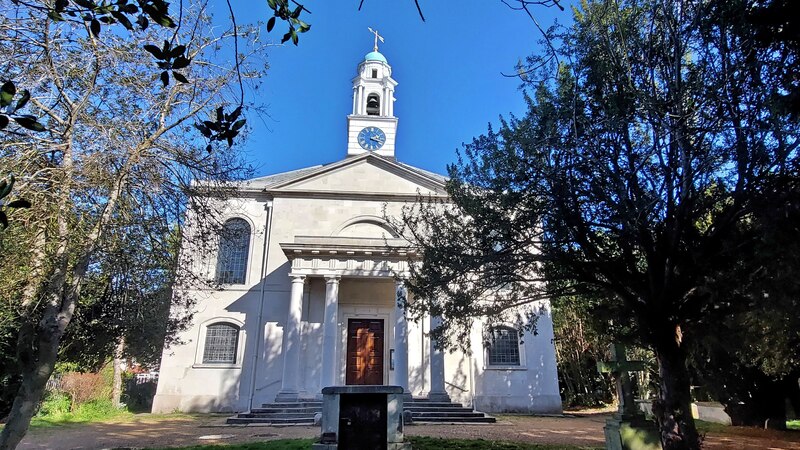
[[332, 278], [297, 278]]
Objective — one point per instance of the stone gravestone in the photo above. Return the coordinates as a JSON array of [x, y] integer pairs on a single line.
[[362, 417], [628, 429]]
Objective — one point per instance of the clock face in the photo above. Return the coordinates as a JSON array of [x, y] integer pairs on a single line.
[[371, 138]]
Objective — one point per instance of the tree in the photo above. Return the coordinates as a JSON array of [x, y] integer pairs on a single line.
[[749, 354], [128, 309], [120, 150], [579, 347], [644, 148]]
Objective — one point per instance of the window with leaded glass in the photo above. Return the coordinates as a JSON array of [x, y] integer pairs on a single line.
[[222, 339], [234, 245], [503, 347]]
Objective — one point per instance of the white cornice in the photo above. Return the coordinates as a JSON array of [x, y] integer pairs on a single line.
[[349, 257], [352, 195]]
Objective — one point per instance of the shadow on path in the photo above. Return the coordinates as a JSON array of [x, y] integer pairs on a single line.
[[146, 431]]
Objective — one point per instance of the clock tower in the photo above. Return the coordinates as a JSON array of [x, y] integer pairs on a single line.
[[372, 126]]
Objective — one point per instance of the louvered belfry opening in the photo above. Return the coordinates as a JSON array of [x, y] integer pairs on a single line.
[[373, 105]]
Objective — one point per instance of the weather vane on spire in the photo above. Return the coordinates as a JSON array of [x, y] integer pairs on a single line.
[[377, 37]]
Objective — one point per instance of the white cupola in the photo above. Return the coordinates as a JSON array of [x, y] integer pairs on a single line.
[[372, 126]]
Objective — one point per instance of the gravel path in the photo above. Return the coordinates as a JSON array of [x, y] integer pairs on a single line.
[[576, 429]]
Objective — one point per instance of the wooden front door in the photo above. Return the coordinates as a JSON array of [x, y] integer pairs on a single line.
[[364, 351]]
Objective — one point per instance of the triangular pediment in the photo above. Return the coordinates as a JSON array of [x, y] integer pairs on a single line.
[[368, 174]]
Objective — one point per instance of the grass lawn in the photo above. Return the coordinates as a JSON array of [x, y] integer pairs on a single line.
[[419, 443], [120, 416], [56, 410], [705, 427]]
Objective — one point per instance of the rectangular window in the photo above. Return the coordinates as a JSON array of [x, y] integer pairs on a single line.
[[234, 247], [374, 73], [504, 347]]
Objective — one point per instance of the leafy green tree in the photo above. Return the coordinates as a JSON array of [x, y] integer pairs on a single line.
[[127, 298], [580, 345], [749, 354], [119, 153], [649, 134]]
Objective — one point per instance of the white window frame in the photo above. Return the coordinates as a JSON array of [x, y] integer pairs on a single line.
[[249, 262], [201, 344], [520, 343]]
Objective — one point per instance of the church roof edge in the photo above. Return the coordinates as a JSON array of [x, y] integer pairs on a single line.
[[313, 171]]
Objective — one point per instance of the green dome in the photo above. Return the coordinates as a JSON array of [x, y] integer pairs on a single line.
[[375, 56]]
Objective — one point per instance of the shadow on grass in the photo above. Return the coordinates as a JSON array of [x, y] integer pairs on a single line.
[[430, 443], [793, 426]]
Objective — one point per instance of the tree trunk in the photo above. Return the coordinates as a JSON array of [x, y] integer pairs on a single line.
[[673, 408], [116, 392], [41, 359]]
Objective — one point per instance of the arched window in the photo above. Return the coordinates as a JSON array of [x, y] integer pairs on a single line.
[[503, 347], [373, 105], [222, 340], [234, 245]]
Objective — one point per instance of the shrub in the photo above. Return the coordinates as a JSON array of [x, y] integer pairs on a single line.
[[55, 404], [84, 387]]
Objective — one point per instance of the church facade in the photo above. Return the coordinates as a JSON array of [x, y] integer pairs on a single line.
[[311, 272]]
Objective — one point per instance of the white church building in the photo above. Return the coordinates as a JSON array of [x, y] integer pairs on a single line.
[[310, 272]]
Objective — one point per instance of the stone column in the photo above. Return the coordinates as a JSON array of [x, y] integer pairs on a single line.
[[291, 343], [330, 328], [400, 374], [438, 392]]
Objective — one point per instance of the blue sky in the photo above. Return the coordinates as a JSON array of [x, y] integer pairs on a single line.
[[448, 69]]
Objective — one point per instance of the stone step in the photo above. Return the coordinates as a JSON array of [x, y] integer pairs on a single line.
[[433, 404], [254, 414], [292, 405], [302, 413], [427, 407], [484, 419], [423, 416], [272, 421], [276, 410], [442, 411]]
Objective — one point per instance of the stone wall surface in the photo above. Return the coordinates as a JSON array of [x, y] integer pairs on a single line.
[[188, 385]]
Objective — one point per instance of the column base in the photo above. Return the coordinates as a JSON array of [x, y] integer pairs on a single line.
[[439, 397]]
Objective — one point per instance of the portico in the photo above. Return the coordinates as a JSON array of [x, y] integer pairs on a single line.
[[383, 348]]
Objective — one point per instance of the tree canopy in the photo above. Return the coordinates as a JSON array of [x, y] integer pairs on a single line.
[[110, 176], [653, 131]]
